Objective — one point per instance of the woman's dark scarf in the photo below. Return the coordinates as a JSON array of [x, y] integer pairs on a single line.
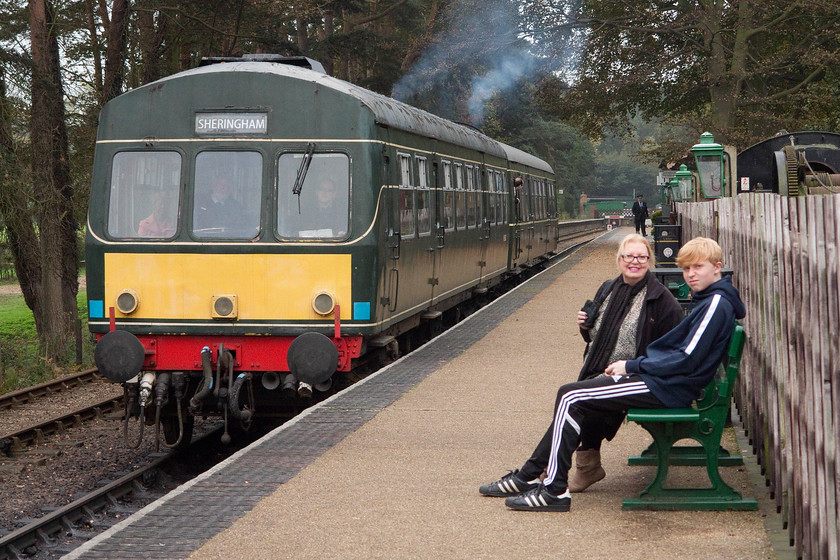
[[602, 347]]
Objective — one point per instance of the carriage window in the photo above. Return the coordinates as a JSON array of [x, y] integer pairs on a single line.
[[316, 205], [422, 172], [406, 212], [422, 198], [447, 220], [491, 199], [228, 192], [545, 205], [552, 201], [144, 195], [525, 200], [405, 170], [472, 208], [424, 211], [460, 198], [501, 197]]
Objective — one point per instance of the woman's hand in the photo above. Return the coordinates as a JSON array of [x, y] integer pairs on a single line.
[[581, 318]]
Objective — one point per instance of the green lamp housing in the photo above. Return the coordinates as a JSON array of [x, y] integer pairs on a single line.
[[708, 155], [674, 187], [685, 183]]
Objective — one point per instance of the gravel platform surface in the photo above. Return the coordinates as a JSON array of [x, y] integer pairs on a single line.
[[405, 485]]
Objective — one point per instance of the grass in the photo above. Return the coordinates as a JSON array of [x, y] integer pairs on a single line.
[[16, 320], [21, 362]]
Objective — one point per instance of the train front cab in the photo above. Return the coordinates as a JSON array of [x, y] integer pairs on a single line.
[[192, 284]]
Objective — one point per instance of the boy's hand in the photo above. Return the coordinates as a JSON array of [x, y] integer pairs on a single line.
[[616, 368]]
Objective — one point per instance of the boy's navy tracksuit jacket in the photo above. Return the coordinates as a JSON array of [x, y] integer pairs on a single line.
[[681, 363]]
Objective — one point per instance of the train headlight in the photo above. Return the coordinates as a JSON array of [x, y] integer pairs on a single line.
[[225, 307], [323, 303], [127, 301]]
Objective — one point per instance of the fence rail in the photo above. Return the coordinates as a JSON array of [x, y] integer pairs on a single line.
[[784, 255]]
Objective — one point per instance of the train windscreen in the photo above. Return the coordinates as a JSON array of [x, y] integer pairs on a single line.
[[228, 193], [313, 198], [143, 201]]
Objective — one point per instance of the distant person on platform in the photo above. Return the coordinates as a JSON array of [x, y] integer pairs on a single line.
[[640, 214]]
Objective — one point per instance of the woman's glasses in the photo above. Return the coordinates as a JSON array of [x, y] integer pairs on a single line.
[[630, 258]]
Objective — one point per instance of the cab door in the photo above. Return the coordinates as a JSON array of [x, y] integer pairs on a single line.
[[390, 299], [424, 201], [483, 224]]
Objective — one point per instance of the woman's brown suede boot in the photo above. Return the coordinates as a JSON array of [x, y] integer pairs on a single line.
[[589, 470]]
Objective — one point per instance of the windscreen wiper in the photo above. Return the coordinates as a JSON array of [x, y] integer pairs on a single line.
[[301, 173]]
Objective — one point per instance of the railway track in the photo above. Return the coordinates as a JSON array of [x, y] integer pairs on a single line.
[[35, 434], [66, 528], [30, 394]]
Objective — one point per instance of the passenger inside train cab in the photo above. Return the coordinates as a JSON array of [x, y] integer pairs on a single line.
[[228, 192], [315, 203], [161, 222], [331, 212]]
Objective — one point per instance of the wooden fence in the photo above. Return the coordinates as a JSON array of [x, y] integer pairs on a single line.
[[784, 253]]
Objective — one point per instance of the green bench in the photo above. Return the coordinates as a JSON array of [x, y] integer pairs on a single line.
[[703, 423]]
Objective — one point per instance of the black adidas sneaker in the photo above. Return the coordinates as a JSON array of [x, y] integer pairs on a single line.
[[509, 485], [540, 499]]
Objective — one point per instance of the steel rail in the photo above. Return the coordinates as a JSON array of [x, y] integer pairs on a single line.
[[45, 532], [36, 433], [28, 394]]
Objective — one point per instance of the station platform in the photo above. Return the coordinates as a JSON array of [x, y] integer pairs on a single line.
[[390, 467]]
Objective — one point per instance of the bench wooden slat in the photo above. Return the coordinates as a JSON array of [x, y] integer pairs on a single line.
[[663, 414]]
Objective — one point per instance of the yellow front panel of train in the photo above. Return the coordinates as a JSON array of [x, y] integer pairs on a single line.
[[266, 287]]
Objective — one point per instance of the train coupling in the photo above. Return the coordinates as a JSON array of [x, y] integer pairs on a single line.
[[146, 384]]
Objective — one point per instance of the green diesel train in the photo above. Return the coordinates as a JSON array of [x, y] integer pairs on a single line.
[[256, 225]]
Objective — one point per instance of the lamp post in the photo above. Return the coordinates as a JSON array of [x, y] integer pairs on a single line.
[[708, 155]]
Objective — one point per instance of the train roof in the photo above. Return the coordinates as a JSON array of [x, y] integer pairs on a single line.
[[385, 110], [516, 155]]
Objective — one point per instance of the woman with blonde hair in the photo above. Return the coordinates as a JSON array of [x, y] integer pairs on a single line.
[[632, 311], [628, 313]]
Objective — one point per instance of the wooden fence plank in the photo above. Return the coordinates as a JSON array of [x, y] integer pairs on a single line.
[[832, 221], [824, 234], [818, 534]]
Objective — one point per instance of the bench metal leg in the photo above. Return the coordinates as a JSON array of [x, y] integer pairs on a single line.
[[720, 496]]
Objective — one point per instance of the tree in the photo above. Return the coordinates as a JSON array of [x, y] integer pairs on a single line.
[[56, 287], [741, 69], [22, 238]]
